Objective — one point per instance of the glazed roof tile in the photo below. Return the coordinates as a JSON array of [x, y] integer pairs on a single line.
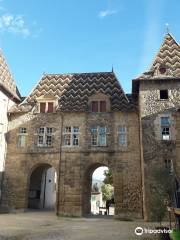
[[168, 57], [6, 80], [74, 90]]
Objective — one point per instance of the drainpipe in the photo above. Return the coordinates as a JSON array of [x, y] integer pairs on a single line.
[[59, 167]]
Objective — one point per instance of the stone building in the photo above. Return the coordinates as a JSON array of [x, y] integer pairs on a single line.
[[9, 95], [158, 92], [71, 124]]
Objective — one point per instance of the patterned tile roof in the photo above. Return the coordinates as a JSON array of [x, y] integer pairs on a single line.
[[166, 63], [6, 80], [74, 90]]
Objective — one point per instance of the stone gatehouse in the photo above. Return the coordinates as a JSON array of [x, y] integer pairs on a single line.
[[75, 123]]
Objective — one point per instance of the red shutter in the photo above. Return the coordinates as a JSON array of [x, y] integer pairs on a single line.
[[94, 106], [50, 107], [42, 107], [102, 106]]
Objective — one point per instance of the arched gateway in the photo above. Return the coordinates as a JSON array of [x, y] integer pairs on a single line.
[[42, 187], [87, 187]]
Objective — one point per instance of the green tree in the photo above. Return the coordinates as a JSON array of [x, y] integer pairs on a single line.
[[108, 177], [107, 191]]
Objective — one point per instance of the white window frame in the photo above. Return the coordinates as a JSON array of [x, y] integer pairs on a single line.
[[44, 133], [73, 134], [97, 136], [122, 132], [165, 137], [22, 134]]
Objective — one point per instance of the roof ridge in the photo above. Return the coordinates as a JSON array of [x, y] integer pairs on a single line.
[[77, 73]]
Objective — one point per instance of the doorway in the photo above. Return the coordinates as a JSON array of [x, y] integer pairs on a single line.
[[42, 188]]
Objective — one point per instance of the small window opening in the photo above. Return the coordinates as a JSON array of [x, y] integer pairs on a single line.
[[164, 94], [162, 70]]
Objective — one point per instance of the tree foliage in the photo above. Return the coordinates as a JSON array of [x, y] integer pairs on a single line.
[[107, 191], [108, 177]]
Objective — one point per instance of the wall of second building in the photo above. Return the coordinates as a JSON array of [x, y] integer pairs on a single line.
[[149, 96], [5, 104], [157, 151]]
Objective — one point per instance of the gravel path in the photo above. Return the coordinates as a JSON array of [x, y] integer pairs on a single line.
[[46, 226]]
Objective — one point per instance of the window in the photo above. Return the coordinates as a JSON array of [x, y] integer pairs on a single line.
[[46, 107], [22, 137], [42, 107], [122, 135], [98, 106], [50, 107], [169, 165], [71, 136], [162, 70], [165, 128], [98, 136], [45, 137], [102, 106], [164, 94], [94, 106]]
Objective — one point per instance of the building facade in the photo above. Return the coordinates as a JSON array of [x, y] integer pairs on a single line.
[[9, 95], [71, 124]]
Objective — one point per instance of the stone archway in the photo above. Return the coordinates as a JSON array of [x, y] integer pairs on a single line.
[[42, 187], [87, 184]]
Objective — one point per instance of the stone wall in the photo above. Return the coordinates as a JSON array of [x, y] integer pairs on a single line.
[[74, 165], [149, 99], [155, 150]]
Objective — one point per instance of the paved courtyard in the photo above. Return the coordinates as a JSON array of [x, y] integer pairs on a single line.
[[45, 225]]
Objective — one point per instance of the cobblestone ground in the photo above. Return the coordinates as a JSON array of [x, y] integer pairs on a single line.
[[46, 226]]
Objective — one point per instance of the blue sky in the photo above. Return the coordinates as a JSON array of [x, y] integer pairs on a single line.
[[62, 36]]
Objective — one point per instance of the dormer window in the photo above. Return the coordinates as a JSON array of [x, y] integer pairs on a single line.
[[98, 106], [94, 106], [46, 107]]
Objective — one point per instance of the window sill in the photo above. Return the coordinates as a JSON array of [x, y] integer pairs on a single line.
[[163, 100], [99, 146], [46, 112], [45, 146], [70, 146]]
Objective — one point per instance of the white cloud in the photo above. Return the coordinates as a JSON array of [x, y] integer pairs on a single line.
[[106, 13], [14, 24], [17, 24]]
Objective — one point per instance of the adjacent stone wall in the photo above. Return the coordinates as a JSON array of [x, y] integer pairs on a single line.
[[155, 150], [149, 98]]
